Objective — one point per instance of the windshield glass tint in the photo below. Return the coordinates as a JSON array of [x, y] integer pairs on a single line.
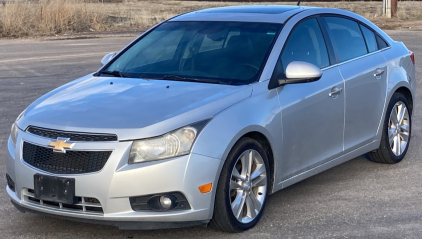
[[232, 52]]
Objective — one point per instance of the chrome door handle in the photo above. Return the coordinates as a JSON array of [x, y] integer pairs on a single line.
[[335, 92], [378, 72]]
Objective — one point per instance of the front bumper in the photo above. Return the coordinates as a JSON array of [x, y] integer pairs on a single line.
[[117, 182], [123, 225]]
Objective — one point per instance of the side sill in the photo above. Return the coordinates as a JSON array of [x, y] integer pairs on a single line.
[[325, 166]]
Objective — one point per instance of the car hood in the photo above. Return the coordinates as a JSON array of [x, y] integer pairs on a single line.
[[130, 108]]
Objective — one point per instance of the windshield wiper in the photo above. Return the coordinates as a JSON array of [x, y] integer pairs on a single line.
[[179, 78], [116, 73]]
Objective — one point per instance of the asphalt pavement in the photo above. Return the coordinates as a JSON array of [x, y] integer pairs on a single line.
[[358, 199]]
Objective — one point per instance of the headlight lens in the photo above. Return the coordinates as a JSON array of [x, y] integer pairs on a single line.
[[15, 130], [175, 143], [14, 134]]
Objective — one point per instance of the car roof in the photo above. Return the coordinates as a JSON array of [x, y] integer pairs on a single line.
[[246, 13]]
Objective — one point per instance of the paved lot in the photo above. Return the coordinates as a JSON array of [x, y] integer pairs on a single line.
[[356, 199]]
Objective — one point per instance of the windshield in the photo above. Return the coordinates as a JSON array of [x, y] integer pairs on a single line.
[[228, 52]]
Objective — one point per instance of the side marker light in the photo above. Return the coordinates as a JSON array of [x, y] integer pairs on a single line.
[[206, 188]]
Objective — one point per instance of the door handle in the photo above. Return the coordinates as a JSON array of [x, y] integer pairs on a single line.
[[335, 92], [378, 73]]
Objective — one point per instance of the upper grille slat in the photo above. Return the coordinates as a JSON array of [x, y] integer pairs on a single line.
[[71, 162], [73, 136]]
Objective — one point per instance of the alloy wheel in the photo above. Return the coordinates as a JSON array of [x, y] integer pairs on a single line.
[[398, 128], [248, 186]]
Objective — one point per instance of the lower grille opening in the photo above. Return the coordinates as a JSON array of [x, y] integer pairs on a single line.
[[10, 182], [92, 200], [34, 199], [84, 205], [74, 207], [94, 209], [55, 204]]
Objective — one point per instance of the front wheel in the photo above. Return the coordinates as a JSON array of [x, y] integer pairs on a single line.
[[243, 188], [396, 132]]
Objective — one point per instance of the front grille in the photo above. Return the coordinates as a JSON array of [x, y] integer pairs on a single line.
[[71, 162], [73, 136], [84, 205]]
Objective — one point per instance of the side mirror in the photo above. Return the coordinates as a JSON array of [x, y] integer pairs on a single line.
[[296, 72], [300, 71], [107, 58]]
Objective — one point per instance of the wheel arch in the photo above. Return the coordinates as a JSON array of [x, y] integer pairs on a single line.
[[401, 87], [407, 93], [384, 154], [258, 133], [263, 140]]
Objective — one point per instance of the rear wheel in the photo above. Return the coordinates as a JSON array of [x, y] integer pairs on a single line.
[[243, 188], [396, 132]]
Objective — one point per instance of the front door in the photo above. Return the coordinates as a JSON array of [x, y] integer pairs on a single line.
[[312, 113]]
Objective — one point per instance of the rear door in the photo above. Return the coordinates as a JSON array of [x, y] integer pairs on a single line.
[[312, 113], [364, 69]]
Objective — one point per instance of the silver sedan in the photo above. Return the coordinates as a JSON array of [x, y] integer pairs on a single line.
[[202, 117]]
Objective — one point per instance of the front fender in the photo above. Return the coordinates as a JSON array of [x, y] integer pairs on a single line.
[[258, 113]]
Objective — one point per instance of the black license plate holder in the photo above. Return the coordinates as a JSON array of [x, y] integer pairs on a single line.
[[55, 189]]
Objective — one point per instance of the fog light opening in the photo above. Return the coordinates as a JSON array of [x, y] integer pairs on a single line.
[[160, 202]]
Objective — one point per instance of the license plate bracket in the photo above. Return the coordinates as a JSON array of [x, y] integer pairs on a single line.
[[55, 189]]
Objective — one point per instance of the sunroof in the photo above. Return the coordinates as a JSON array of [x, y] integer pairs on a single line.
[[263, 9]]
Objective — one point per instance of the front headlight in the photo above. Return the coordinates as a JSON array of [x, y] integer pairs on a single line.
[[15, 130], [175, 143], [14, 134]]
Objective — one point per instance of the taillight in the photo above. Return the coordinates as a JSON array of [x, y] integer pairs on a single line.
[[412, 57]]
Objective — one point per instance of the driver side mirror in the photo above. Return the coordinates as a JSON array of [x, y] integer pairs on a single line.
[[296, 72], [107, 58]]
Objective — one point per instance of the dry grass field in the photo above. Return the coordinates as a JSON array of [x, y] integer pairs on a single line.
[[58, 17]]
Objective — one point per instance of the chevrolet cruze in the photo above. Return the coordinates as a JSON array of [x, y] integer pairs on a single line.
[[202, 117]]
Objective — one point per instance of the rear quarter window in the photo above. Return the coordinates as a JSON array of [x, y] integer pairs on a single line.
[[370, 38], [381, 43]]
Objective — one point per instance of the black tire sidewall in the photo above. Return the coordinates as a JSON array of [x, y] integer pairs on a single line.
[[240, 147], [396, 98]]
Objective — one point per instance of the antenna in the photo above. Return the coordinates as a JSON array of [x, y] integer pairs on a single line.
[[298, 2]]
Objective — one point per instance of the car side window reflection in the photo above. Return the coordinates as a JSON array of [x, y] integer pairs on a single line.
[[307, 44], [347, 37]]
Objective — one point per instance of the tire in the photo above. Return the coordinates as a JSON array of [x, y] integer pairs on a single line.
[[235, 188], [391, 153]]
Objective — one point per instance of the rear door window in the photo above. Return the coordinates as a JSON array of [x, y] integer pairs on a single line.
[[370, 39], [347, 38]]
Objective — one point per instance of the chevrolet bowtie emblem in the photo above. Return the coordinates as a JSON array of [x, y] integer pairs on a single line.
[[60, 145]]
